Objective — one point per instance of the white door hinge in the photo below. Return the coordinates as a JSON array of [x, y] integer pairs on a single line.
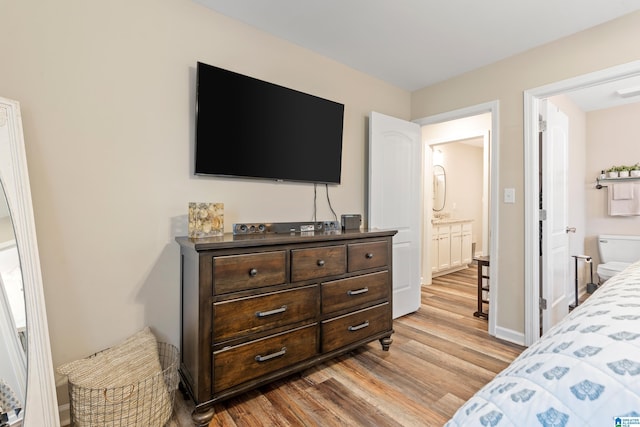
[[543, 304], [542, 125]]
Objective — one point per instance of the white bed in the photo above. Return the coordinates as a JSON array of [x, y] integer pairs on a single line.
[[584, 372]]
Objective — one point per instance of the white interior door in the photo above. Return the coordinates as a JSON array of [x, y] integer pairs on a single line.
[[395, 194], [555, 241]]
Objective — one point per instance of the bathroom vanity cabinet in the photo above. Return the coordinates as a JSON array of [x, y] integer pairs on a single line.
[[451, 246]]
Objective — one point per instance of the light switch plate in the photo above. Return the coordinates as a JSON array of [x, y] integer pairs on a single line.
[[509, 195]]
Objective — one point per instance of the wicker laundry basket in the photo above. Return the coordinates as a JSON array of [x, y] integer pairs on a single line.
[[148, 403]]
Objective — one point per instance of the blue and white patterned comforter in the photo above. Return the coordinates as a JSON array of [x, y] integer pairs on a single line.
[[584, 372]]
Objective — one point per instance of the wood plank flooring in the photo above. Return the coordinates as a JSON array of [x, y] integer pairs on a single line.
[[440, 356]]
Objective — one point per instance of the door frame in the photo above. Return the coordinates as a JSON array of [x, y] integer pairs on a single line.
[[531, 101], [494, 144]]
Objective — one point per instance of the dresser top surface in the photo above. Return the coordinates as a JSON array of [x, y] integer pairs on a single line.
[[229, 240]]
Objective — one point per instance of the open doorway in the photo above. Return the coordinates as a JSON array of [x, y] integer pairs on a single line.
[[534, 264], [461, 149], [486, 135]]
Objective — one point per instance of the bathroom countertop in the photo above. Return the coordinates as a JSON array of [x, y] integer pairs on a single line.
[[444, 221]]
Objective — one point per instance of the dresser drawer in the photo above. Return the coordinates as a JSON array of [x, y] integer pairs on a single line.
[[313, 263], [235, 365], [354, 291], [243, 316], [367, 255], [350, 328], [239, 272]]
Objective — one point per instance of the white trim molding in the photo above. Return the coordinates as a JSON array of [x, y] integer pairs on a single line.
[[532, 215]]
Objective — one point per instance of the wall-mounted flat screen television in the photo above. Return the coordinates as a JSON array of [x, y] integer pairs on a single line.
[[250, 128]]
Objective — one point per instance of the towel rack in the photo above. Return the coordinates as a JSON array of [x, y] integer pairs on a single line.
[[606, 180]]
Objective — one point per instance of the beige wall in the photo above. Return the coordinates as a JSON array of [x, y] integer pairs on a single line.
[[107, 97], [6, 229], [613, 138], [604, 46], [463, 167]]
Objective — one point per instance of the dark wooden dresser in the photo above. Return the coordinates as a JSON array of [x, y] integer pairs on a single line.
[[256, 308]]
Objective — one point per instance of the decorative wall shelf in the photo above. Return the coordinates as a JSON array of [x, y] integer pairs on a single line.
[[602, 182]]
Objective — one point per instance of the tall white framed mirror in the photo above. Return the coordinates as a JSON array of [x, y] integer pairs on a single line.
[[35, 386]]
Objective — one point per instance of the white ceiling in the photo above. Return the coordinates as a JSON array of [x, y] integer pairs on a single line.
[[416, 43], [604, 95]]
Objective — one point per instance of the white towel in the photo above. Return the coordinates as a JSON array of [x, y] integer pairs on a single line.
[[625, 207], [622, 191]]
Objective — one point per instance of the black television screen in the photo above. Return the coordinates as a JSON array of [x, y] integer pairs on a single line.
[[247, 127]]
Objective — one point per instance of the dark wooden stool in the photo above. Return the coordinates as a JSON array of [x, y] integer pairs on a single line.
[[483, 261]]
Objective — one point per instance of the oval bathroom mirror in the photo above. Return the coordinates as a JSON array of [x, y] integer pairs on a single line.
[[439, 188]]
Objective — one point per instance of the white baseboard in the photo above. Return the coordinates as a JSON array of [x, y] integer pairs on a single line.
[[509, 335], [65, 414], [450, 270]]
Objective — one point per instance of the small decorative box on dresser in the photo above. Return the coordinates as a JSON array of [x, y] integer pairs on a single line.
[[259, 307]]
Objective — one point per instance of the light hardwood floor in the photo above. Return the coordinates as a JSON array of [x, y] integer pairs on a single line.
[[440, 356]]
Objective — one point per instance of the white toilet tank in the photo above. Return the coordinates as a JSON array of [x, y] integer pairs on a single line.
[[618, 248], [617, 252]]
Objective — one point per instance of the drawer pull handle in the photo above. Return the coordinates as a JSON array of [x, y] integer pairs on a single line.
[[272, 355], [358, 327], [320, 263], [369, 255], [253, 272], [358, 291], [271, 312]]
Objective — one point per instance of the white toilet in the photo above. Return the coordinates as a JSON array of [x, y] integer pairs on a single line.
[[617, 252]]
